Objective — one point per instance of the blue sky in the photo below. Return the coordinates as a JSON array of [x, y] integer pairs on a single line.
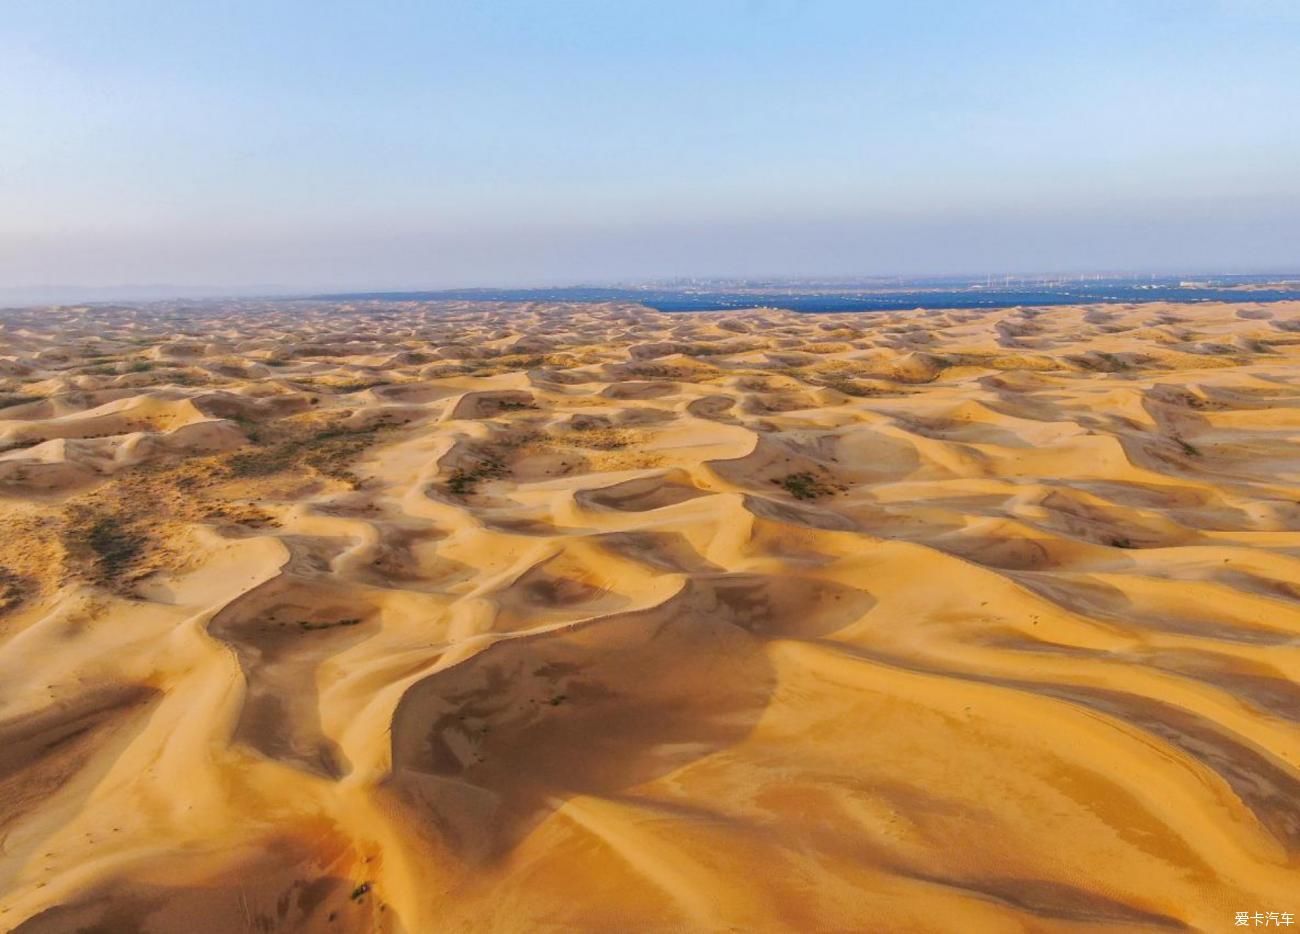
[[390, 144]]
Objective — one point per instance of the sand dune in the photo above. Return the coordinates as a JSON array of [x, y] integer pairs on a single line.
[[402, 617]]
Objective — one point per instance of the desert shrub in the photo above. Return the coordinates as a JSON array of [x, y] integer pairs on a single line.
[[464, 481], [806, 485]]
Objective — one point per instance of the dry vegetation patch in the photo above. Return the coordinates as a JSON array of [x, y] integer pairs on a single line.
[[807, 485], [138, 522], [28, 550], [127, 529], [602, 437], [595, 447], [13, 590], [681, 372], [340, 385], [464, 481], [324, 445]]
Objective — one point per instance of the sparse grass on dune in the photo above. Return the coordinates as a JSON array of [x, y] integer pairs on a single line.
[[340, 385], [598, 447], [673, 372], [808, 485], [324, 445], [508, 363], [827, 347], [110, 547], [607, 439], [14, 589], [854, 388], [133, 524], [464, 481]]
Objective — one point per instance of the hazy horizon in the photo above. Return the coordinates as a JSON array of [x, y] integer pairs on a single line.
[[13, 296], [362, 147]]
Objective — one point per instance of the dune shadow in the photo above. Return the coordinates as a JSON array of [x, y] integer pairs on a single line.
[[483, 751], [42, 751], [642, 494], [1105, 602], [288, 883], [281, 633]]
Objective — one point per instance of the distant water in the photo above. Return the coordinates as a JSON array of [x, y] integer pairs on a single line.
[[915, 295]]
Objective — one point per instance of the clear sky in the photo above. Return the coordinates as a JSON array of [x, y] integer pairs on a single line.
[[318, 144]]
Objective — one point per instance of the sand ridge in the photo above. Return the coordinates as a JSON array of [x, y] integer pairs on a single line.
[[402, 616]]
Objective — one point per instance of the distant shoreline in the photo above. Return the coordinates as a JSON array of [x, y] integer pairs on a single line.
[[971, 296]]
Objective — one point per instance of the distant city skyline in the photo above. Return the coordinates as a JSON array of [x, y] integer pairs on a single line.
[[297, 147]]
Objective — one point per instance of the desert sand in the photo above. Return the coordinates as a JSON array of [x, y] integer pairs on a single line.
[[408, 618]]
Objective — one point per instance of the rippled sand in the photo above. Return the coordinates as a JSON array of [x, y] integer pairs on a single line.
[[406, 618]]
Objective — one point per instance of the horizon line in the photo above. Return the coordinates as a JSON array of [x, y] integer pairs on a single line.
[[84, 294]]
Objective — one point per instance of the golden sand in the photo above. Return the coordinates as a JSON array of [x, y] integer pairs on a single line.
[[404, 618]]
